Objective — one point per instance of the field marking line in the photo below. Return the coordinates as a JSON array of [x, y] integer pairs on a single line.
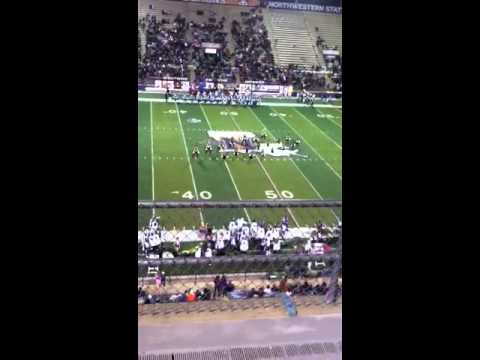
[[151, 154], [316, 127], [315, 151], [331, 120], [228, 169], [278, 192], [188, 159], [289, 104], [294, 163], [268, 176]]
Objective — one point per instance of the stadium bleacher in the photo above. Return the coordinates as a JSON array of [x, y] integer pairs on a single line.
[[260, 44]]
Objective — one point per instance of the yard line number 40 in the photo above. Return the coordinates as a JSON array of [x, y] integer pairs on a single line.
[[205, 195]]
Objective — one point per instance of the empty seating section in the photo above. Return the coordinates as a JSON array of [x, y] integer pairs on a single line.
[[329, 28], [291, 41]]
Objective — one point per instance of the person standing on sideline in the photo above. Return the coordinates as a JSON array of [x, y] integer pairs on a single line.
[[167, 94]]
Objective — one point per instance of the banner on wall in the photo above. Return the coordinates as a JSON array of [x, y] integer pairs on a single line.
[[262, 89], [305, 7], [228, 2], [172, 85]]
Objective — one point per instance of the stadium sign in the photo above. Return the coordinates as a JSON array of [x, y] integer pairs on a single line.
[[261, 89], [305, 7], [228, 2]]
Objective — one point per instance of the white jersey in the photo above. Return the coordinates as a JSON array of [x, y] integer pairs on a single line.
[[232, 226], [240, 223], [155, 240], [198, 252], [254, 229], [261, 233], [208, 253], [245, 230], [220, 243], [276, 234], [276, 245], [269, 235], [308, 246], [244, 245], [141, 237], [227, 236]]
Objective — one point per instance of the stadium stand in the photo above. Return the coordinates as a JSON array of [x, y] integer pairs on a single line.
[[292, 40], [259, 44], [328, 27]]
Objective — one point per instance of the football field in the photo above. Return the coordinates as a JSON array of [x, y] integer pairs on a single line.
[[167, 133]]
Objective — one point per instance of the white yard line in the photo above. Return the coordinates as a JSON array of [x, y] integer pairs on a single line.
[[188, 159], [151, 150], [331, 120], [143, 99], [294, 163], [324, 134], [278, 192], [228, 169], [268, 176], [313, 149]]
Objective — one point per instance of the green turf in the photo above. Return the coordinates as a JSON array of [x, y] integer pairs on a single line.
[[170, 135]]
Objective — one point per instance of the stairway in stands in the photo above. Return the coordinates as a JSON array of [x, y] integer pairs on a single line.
[[291, 40]]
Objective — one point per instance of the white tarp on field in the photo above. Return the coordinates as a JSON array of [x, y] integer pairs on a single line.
[[237, 135]]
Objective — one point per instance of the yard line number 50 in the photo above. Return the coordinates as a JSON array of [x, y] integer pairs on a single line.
[[205, 195], [270, 194]]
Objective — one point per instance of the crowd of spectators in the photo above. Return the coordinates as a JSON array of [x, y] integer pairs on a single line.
[[210, 66], [166, 48], [253, 52], [332, 63], [222, 288], [171, 45]]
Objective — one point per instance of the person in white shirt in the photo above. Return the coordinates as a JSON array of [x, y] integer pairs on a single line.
[[268, 237], [308, 246], [141, 239], [155, 240], [254, 229], [220, 243], [243, 244], [276, 245], [232, 227], [246, 230], [261, 233], [177, 243], [268, 290], [198, 252], [284, 230], [226, 236], [208, 253], [240, 222], [275, 233], [233, 241]]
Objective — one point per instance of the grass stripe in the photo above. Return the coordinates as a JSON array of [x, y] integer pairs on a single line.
[[226, 166], [268, 176], [294, 163], [188, 159], [312, 147], [319, 129], [151, 149], [210, 175]]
